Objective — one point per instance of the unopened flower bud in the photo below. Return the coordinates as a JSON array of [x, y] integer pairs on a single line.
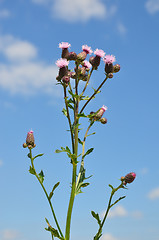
[[110, 75], [81, 56], [103, 120], [66, 79], [24, 145], [116, 68], [95, 61], [72, 56], [73, 75], [129, 178], [30, 140]]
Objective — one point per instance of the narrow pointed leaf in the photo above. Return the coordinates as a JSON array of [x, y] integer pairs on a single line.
[[88, 152], [41, 176], [39, 155], [32, 171], [52, 192]]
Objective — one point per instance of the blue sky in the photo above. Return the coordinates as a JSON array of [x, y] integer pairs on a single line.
[[30, 32]]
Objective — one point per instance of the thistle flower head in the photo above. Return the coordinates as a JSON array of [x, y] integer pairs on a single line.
[[87, 49], [29, 140], [64, 45], [99, 53], [101, 112], [129, 178], [109, 59], [62, 62]]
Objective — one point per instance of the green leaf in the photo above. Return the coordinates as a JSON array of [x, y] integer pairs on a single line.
[[52, 192], [29, 156], [79, 140], [111, 186], [70, 106], [85, 98], [88, 152], [39, 155], [64, 111], [96, 216], [117, 201], [41, 176], [91, 134], [53, 231], [58, 151], [32, 171], [73, 95], [81, 115]]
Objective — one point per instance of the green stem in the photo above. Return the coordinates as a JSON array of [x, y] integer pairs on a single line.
[[53, 213], [68, 117], [93, 94], [72, 196]]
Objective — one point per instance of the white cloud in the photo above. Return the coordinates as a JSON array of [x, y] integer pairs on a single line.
[[78, 10], [108, 236], [118, 211], [24, 73], [17, 50], [4, 13], [152, 6], [154, 194], [20, 51], [9, 234]]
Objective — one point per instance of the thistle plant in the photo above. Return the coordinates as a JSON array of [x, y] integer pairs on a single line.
[[75, 83]]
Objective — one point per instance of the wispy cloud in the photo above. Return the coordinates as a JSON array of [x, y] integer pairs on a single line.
[[108, 236], [9, 234], [79, 10], [24, 73], [152, 6], [120, 211], [154, 194], [4, 13]]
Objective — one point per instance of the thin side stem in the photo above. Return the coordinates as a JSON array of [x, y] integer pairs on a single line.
[[93, 94], [53, 213], [107, 211], [87, 82]]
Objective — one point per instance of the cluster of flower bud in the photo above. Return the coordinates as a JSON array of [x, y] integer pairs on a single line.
[[80, 59], [97, 116], [30, 142], [129, 178]]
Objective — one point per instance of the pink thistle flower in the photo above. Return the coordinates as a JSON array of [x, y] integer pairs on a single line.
[[62, 62], [109, 59], [87, 49], [87, 64], [64, 45], [99, 53]]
